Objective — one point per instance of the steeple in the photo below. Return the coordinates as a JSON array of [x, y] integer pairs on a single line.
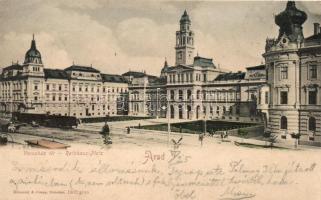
[[33, 55], [184, 41], [165, 63], [33, 43]]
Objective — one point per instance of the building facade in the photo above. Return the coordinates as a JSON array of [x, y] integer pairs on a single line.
[[79, 91], [195, 88], [293, 65]]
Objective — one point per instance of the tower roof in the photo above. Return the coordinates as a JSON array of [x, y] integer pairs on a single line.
[[33, 55], [185, 18], [288, 19]]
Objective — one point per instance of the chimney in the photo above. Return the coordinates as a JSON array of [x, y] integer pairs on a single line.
[[316, 28]]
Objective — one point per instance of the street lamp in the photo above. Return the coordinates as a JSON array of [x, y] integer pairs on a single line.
[[168, 120], [157, 102], [205, 122]]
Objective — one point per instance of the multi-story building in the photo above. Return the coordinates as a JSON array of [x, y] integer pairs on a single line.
[[293, 65], [196, 88], [79, 91], [147, 94]]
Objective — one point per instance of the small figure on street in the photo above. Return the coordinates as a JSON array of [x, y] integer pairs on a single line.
[[139, 125], [105, 133], [128, 130], [200, 138]]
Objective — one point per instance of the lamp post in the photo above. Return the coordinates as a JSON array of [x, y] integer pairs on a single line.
[[168, 120], [157, 102], [205, 122]]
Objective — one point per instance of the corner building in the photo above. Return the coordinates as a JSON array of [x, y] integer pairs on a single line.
[[293, 65]]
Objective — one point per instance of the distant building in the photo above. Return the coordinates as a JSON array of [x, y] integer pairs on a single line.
[[79, 91], [293, 64], [147, 94]]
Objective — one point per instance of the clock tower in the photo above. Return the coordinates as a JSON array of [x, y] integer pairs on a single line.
[[184, 42]]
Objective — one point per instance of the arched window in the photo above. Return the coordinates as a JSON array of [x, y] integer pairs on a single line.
[[284, 122], [197, 112], [180, 112], [312, 124], [189, 94], [204, 95], [198, 94], [172, 111], [172, 95]]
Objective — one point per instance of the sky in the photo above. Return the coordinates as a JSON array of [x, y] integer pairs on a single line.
[[115, 36]]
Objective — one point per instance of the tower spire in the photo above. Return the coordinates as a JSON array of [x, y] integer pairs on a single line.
[[184, 41]]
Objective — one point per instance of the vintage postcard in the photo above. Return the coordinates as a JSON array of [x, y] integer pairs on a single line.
[[160, 100]]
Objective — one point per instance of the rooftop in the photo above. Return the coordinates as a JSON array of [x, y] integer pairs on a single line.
[[258, 67], [134, 74], [203, 62], [230, 76], [55, 73], [113, 78], [14, 66], [82, 68]]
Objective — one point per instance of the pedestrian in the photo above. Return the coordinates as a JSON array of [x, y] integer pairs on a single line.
[[139, 125], [200, 138], [128, 130], [105, 132]]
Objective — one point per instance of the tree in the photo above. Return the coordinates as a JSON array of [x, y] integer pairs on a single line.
[[242, 132]]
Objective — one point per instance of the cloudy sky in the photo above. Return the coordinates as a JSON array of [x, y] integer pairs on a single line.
[[118, 35]]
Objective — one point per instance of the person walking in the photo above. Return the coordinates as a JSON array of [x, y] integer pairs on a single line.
[[201, 138], [128, 130]]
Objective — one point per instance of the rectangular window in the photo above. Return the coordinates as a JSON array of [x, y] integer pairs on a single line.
[[59, 87], [36, 87], [283, 97], [312, 97], [284, 72], [313, 72], [266, 97], [204, 77], [47, 86]]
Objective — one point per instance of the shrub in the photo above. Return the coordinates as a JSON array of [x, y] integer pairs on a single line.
[[242, 132]]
